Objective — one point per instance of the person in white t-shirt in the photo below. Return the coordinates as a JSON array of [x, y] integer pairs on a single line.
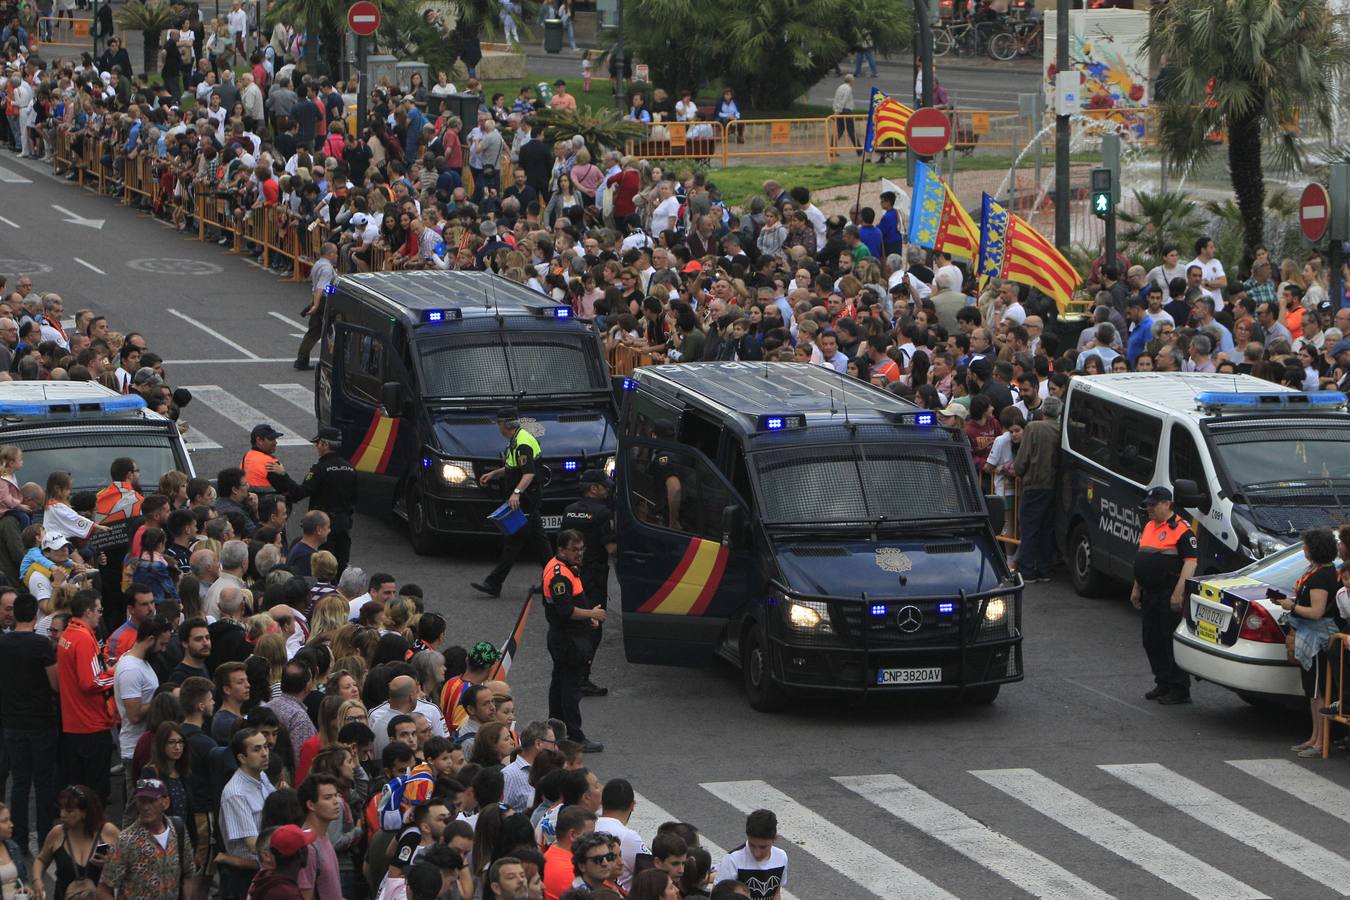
[[757, 864], [667, 211], [1212, 277], [135, 683], [616, 806]]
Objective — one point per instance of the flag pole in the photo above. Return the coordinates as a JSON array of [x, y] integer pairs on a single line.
[[862, 165]]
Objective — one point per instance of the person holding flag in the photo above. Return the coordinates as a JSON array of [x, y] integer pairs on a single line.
[[1012, 250], [886, 120]]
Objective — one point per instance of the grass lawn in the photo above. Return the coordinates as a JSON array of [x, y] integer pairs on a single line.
[[602, 95]]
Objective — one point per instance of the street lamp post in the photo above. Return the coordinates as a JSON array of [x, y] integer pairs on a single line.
[[1062, 132]]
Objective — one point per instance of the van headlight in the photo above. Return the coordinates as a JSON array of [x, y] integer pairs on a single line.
[[456, 471], [609, 468], [995, 611], [808, 616], [1263, 545]]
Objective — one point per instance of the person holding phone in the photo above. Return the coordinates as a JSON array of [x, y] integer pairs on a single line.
[[78, 845], [1312, 616]]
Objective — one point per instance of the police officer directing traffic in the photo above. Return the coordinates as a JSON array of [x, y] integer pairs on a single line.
[[330, 486], [520, 472], [593, 517], [1167, 556], [571, 619]]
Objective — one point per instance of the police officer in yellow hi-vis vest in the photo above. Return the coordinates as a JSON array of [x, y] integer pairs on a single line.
[[520, 472]]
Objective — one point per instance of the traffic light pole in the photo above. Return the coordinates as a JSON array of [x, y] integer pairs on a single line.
[[1338, 184], [1111, 162], [1062, 132]]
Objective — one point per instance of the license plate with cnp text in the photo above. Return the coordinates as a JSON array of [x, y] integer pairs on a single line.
[[552, 523], [1207, 631], [930, 675]]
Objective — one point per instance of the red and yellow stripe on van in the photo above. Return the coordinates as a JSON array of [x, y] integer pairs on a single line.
[[376, 448], [690, 588]]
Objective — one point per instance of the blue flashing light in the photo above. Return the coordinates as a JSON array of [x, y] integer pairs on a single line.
[[877, 609], [571, 465], [440, 316], [439, 249], [924, 419], [779, 422], [629, 384], [774, 423], [330, 290], [946, 608], [426, 462], [128, 403], [1281, 400], [562, 312]]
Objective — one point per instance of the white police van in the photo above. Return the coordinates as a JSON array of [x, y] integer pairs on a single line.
[[1252, 464], [80, 427]]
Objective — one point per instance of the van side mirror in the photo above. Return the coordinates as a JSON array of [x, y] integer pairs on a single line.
[[619, 384], [393, 398], [994, 504], [1186, 494], [731, 523]]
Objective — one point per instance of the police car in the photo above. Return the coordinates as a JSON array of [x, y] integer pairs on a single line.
[[1251, 464], [1231, 635], [824, 535], [412, 368], [81, 426]]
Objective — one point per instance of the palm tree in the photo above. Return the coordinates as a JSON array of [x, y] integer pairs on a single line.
[[151, 18], [600, 128], [330, 19], [1162, 219], [1243, 67]]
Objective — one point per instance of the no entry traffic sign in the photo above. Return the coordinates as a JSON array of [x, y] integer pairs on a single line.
[[363, 18], [1314, 211], [928, 131]]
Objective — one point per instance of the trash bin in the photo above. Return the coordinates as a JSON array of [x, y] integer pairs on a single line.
[[553, 35]]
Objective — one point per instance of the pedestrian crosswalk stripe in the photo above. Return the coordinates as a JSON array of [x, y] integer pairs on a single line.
[[647, 817], [1291, 778], [8, 176], [1236, 821], [237, 411], [841, 851], [195, 440], [1123, 838], [1004, 857], [297, 395]]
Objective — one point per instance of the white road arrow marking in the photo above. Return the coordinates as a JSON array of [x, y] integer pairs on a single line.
[[76, 219]]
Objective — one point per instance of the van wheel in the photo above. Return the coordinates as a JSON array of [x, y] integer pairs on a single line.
[[981, 696], [1087, 581], [420, 535], [765, 694]]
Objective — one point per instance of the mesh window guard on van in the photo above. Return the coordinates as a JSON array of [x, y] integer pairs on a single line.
[[482, 365]]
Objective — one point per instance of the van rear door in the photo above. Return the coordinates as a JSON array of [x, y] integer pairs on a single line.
[[377, 444], [686, 562]]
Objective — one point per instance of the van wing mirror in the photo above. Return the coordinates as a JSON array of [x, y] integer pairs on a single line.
[[393, 398], [1187, 494], [731, 523], [619, 384]]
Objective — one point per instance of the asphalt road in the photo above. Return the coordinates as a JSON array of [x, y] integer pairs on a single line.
[[1071, 785]]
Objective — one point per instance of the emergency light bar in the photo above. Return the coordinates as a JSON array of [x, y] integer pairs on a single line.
[[128, 403], [441, 316], [1275, 401], [562, 312], [571, 465], [779, 423]]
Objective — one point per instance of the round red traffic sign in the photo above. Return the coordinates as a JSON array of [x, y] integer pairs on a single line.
[[1314, 211], [928, 131], [363, 18]]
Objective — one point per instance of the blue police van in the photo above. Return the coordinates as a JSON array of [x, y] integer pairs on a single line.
[[1251, 465], [412, 368], [824, 535]]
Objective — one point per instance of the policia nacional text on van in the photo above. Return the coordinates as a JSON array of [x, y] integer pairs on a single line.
[[1251, 464], [826, 536], [413, 367]]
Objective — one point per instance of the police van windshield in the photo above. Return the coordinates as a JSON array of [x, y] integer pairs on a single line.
[[1265, 460], [86, 457], [522, 364], [871, 484]]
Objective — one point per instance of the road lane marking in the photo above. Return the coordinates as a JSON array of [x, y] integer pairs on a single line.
[[215, 334], [90, 266], [841, 851], [1109, 831], [296, 395], [195, 440], [9, 223], [229, 362], [237, 411], [1000, 854], [1291, 778], [8, 176], [1106, 696], [1238, 822], [289, 321]]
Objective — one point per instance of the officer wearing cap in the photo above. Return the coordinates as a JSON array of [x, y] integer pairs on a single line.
[[593, 517], [1167, 556], [519, 473], [330, 486], [571, 618], [262, 445]]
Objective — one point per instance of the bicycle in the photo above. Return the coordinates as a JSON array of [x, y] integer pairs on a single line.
[[1023, 38]]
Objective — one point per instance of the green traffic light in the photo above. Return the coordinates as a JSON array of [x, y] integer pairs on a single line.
[[1101, 204]]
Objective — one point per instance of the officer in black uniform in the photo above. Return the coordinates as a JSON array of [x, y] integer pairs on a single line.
[[667, 479], [593, 516], [519, 474], [330, 486], [1167, 556], [571, 618]]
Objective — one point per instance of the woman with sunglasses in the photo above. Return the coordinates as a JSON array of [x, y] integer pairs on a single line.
[[78, 845]]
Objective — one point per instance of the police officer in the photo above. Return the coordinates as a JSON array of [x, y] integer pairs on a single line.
[[520, 473], [594, 518], [330, 486], [571, 618], [1167, 556]]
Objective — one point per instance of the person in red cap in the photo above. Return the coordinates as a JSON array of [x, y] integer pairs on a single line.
[[146, 862], [289, 846]]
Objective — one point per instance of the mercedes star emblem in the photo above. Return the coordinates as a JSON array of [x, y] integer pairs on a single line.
[[908, 619]]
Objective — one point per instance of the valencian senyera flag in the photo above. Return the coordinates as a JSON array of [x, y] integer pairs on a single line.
[[1014, 251], [886, 118], [937, 220]]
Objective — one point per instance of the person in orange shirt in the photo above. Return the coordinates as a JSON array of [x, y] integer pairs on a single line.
[[559, 869], [121, 499], [263, 446]]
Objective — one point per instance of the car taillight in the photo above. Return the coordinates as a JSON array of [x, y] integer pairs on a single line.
[[1257, 625]]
